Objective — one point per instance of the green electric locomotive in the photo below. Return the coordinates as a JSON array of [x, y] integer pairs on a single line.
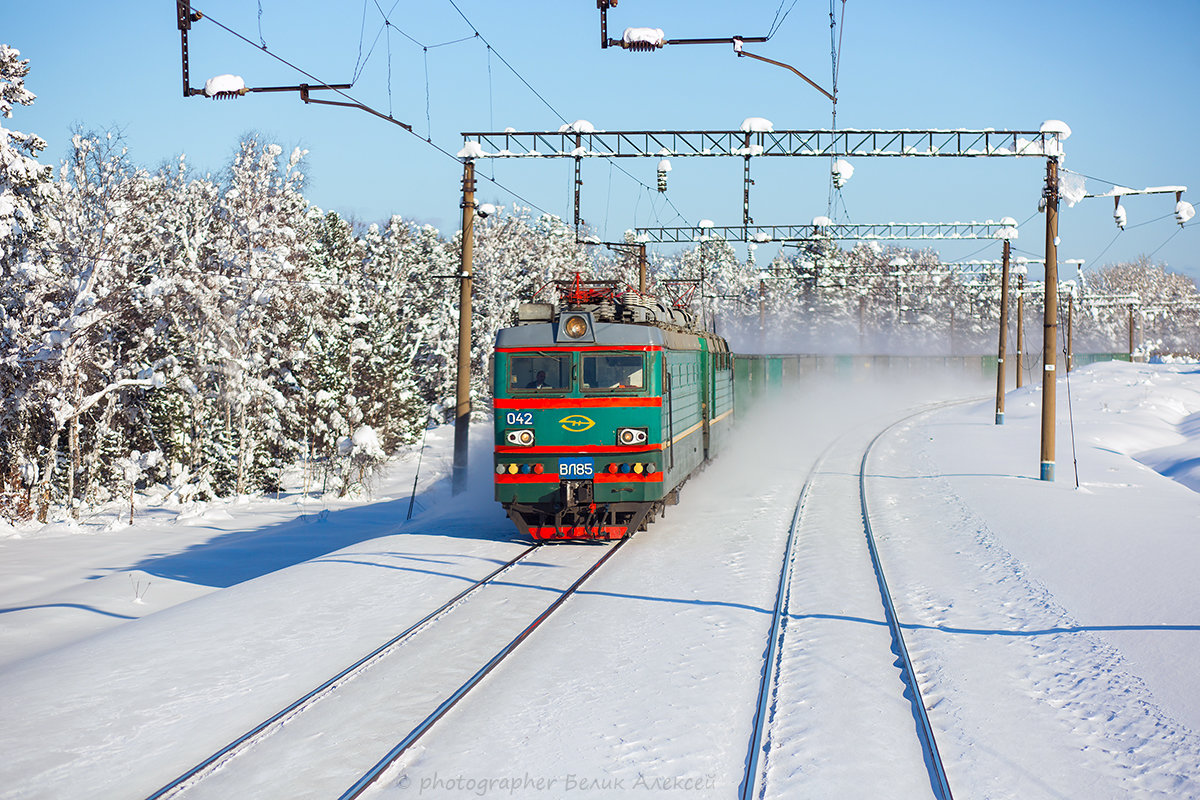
[[605, 403]]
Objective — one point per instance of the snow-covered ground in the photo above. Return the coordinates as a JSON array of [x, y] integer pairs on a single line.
[[1055, 630]]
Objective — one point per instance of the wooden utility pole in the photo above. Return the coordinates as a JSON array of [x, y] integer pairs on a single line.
[[1050, 327], [762, 310], [862, 324], [1003, 336], [462, 407], [1132, 347], [1020, 331], [951, 327], [1070, 330], [642, 269]]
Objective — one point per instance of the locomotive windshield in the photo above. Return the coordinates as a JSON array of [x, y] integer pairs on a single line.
[[540, 371], [613, 371]]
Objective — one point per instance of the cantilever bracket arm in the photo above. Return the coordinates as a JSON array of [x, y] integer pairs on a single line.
[[737, 46], [305, 89]]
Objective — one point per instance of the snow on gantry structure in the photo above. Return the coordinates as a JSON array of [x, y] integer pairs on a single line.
[[822, 228], [845, 143]]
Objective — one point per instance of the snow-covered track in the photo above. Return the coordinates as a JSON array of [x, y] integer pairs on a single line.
[[834, 617], [380, 768], [264, 728]]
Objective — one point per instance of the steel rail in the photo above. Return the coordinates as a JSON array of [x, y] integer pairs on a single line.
[[423, 727], [933, 759], [254, 733]]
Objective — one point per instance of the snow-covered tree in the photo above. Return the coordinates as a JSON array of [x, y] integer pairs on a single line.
[[259, 259], [24, 189], [23, 181]]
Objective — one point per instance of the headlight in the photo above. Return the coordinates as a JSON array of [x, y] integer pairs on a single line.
[[575, 327], [631, 436], [519, 438]]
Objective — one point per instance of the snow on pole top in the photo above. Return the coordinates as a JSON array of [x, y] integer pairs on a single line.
[[649, 36], [705, 223], [578, 126], [1056, 126], [757, 125], [224, 85], [471, 150], [1009, 231], [664, 166], [821, 222]]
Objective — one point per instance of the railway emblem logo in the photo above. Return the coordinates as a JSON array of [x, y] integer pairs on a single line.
[[576, 423]]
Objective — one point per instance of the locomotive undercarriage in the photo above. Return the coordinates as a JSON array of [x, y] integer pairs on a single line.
[[598, 521], [582, 519], [575, 515]]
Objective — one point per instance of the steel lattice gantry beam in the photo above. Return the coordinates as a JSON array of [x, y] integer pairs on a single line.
[[890, 231], [677, 144]]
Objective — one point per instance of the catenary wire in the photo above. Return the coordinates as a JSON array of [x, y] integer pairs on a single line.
[[776, 26], [476, 34], [541, 97], [323, 84]]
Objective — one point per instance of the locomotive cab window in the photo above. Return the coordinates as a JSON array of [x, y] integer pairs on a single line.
[[539, 372], [607, 372]]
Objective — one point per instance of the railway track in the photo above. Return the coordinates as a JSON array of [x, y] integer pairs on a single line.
[[380, 768], [222, 760], [767, 757]]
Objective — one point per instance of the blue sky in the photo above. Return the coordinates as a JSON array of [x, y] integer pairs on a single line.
[[1121, 74]]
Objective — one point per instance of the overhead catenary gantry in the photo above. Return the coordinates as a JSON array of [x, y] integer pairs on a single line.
[[762, 234], [847, 142], [757, 139]]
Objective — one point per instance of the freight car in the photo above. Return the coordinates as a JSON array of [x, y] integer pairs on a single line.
[[605, 403]]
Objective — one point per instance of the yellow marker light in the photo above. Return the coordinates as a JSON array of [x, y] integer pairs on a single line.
[[575, 327], [637, 468], [512, 469]]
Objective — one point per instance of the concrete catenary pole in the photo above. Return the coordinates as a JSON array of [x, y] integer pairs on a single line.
[[1003, 336], [1050, 327], [462, 406]]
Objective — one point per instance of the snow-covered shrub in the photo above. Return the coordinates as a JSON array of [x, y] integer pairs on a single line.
[[362, 460]]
